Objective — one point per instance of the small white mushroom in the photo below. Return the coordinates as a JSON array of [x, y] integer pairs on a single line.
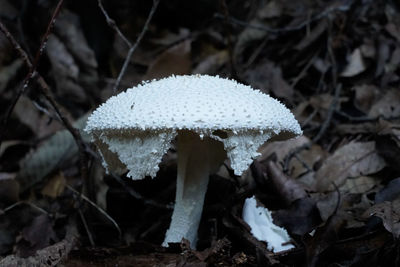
[[263, 228], [212, 118]]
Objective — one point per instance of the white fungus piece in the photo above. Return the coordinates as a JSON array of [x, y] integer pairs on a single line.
[[262, 227], [134, 129]]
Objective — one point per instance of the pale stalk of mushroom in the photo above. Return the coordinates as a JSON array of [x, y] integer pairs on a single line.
[[197, 159]]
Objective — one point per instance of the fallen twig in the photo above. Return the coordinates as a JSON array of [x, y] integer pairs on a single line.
[[225, 11], [140, 197], [133, 47], [32, 66], [331, 110], [299, 26], [44, 89], [99, 209], [49, 256]]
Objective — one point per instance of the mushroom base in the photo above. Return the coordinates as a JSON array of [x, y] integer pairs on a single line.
[[197, 159]]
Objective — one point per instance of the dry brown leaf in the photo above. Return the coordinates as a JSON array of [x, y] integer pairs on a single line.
[[61, 146], [39, 234], [296, 165], [65, 70], [368, 49], [268, 78], [390, 192], [387, 106], [351, 160], [7, 73], [69, 29], [28, 114], [312, 36], [358, 185], [389, 212], [394, 30], [272, 9], [55, 186], [365, 96], [9, 143], [175, 60], [322, 65], [281, 148], [48, 256], [302, 216], [212, 63], [306, 157], [383, 56], [355, 64], [9, 188], [288, 188]]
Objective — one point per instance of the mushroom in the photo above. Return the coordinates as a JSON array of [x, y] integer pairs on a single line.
[[212, 118], [263, 228]]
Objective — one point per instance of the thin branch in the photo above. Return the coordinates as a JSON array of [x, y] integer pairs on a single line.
[[45, 38], [331, 111], [140, 197], [135, 45], [32, 66], [45, 90], [321, 132], [98, 208], [365, 118], [332, 108], [228, 33], [299, 26], [24, 56], [26, 203], [112, 24], [84, 222]]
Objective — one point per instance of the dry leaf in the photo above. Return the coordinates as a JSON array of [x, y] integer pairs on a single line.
[[60, 147], [389, 212], [267, 77], [272, 9], [305, 160], [351, 160], [55, 186], [65, 70], [281, 148], [312, 36], [212, 63], [8, 72], [358, 185], [69, 29], [365, 96], [175, 60], [355, 64], [390, 192], [9, 188], [300, 218], [39, 234], [387, 106], [288, 188]]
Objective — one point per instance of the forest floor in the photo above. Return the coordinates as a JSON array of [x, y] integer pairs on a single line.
[[336, 189]]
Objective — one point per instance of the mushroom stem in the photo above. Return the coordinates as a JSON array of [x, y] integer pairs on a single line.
[[197, 159]]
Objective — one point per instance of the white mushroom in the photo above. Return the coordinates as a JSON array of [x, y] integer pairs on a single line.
[[212, 118], [263, 228]]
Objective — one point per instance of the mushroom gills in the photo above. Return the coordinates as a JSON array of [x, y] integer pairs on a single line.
[[197, 159]]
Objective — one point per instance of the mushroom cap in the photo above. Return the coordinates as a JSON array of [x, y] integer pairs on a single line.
[[134, 129], [197, 102]]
